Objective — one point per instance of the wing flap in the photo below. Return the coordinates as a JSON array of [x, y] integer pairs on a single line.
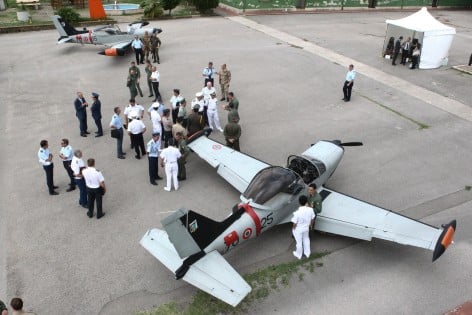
[[235, 167], [351, 217], [214, 275], [157, 243]]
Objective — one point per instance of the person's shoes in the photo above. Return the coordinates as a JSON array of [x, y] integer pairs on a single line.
[[83, 135], [54, 193], [181, 178], [99, 135], [166, 189], [346, 100], [137, 156], [343, 99], [154, 183], [223, 99], [121, 157], [84, 206], [150, 95], [295, 254], [70, 189], [55, 187], [90, 216], [98, 217], [124, 153], [221, 130], [87, 132], [158, 62], [158, 177]]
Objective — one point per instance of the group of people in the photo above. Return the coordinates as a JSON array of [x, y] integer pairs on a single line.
[[410, 51], [16, 305], [146, 46]]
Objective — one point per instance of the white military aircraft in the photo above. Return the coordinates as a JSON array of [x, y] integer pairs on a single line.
[[117, 42], [192, 245]]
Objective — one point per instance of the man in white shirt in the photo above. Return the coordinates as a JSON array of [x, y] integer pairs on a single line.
[[136, 128], [349, 83], [169, 157], [95, 183], [302, 220], [208, 73], [213, 113], [133, 109], [77, 165], [152, 149], [66, 155], [155, 118], [137, 46], [155, 78], [175, 102], [45, 158]]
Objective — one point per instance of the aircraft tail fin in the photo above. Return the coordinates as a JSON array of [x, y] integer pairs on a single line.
[[191, 232], [211, 273], [64, 28]]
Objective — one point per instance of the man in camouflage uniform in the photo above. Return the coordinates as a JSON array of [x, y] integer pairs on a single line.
[[138, 75], [146, 39], [184, 150], [232, 133], [155, 44], [131, 84], [224, 80]]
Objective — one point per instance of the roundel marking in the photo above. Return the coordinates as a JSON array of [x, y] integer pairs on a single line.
[[247, 233], [216, 147]]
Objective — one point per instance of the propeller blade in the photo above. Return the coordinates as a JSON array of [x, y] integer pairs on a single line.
[[351, 144]]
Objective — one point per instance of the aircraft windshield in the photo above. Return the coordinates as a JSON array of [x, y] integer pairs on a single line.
[[269, 182]]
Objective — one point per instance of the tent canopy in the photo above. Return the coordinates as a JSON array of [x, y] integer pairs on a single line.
[[435, 37]]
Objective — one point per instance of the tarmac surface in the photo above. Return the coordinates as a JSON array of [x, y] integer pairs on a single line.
[[287, 72]]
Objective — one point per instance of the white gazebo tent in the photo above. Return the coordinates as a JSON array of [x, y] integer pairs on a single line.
[[435, 38]]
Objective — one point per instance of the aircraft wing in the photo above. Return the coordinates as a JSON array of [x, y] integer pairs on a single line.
[[211, 273], [119, 45], [351, 217], [235, 167]]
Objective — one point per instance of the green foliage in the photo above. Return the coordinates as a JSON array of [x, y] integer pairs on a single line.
[[170, 4], [165, 309], [204, 6], [152, 8], [69, 15]]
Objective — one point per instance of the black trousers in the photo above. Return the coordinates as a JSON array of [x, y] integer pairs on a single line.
[[155, 87], [139, 55], [69, 172], [49, 169], [153, 168], [470, 60], [83, 126], [138, 143], [98, 122], [347, 89], [175, 112], [395, 55], [405, 53], [94, 194]]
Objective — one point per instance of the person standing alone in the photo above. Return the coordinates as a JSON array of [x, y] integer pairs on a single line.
[[349, 83], [45, 158], [302, 220]]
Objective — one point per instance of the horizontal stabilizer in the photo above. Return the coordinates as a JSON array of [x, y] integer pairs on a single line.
[[212, 273], [64, 40]]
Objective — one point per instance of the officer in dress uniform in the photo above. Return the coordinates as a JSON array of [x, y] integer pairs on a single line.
[[152, 149], [66, 154], [45, 158], [117, 124], [302, 220], [77, 165], [95, 183], [169, 157], [136, 128], [185, 151], [96, 110], [208, 73]]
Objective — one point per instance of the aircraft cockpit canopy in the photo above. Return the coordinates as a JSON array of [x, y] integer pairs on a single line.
[[271, 181]]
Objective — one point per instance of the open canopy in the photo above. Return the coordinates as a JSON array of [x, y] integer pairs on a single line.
[[435, 37]]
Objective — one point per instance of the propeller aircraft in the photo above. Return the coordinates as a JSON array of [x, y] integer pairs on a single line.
[[118, 42], [191, 245]]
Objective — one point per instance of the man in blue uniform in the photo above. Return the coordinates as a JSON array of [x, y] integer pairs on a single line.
[[97, 114], [45, 158], [80, 105]]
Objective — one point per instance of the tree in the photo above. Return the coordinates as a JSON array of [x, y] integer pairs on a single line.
[[152, 8], [170, 4], [203, 6]]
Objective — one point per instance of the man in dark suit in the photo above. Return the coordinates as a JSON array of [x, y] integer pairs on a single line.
[[396, 50], [80, 105], [97, 114]]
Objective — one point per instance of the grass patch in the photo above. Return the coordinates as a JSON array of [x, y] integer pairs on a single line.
[[416, 122], [262, 282]]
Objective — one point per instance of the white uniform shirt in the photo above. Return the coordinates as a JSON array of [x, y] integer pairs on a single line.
[[350, 75], [137, 44], [43, 155], [201, 103], [302, 217], [155, 76], [212, 104], [75, 165], [152, 148], [136, 127], [170, 155], [207, 92], [67, 152], [134, 110], [156, 121], [174, 100], [93, 178]]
